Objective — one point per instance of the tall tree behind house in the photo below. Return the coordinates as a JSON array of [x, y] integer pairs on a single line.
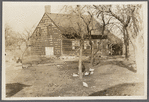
[[132, 27]]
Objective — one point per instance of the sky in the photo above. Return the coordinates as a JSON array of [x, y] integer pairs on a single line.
[[21, 16], [24, 15]]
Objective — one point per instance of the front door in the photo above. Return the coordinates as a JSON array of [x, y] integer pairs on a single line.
[[49, 51]]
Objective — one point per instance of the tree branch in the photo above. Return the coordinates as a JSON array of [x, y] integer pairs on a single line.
[[114, 15]]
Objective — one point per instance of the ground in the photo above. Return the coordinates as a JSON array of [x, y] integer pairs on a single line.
[[51, 78]]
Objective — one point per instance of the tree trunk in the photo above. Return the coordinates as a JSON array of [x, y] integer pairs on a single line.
[[80, 60], [128, 54], [126, 50], [92, 55], [125, 42], [139, 61], [23, 55], [139, 52], [139, 58], [96, 50]]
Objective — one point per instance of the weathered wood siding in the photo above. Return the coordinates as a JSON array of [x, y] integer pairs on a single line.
[[38, 47], [50, 37], [67, 48], [47, 35]]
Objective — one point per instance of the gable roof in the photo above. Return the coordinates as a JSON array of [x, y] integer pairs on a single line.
[[64, 21], [67, 24]]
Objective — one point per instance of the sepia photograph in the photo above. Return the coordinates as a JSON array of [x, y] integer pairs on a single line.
[[74, 50]]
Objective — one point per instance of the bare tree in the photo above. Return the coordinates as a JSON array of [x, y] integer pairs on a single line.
[[10, 37], [132, 28], [120, 15], [104, 19], [85, 26], [25, 38], [136, 35]]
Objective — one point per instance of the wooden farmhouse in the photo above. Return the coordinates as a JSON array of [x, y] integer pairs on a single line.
[[55, 35]]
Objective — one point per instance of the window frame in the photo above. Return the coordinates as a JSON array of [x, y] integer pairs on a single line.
[[75, 43], [38, 31], [86, 44]]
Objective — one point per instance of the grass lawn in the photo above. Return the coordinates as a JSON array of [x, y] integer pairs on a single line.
[[50, 80]]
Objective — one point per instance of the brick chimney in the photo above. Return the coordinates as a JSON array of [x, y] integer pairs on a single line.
[[47, 9]]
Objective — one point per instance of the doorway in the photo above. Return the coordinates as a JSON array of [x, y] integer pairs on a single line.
[[49, 51]]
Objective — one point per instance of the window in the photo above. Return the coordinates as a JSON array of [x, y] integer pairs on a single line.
[[73, 47], [86, 45], [94, 42], [38, 31], [98, 43], [49, 31], [75, 44]]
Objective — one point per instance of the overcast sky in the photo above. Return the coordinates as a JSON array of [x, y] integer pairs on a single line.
[[23, 15]]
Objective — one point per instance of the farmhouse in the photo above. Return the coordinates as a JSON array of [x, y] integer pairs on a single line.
[[55, 35]]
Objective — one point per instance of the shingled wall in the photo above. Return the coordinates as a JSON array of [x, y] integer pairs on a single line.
[[67, 48], [47, 35], [48, 38]]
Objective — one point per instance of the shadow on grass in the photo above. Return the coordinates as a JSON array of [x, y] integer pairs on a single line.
[[101, 62], [37, 60], [126, 89], [118, 63], [13, 88], [124, 65]]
